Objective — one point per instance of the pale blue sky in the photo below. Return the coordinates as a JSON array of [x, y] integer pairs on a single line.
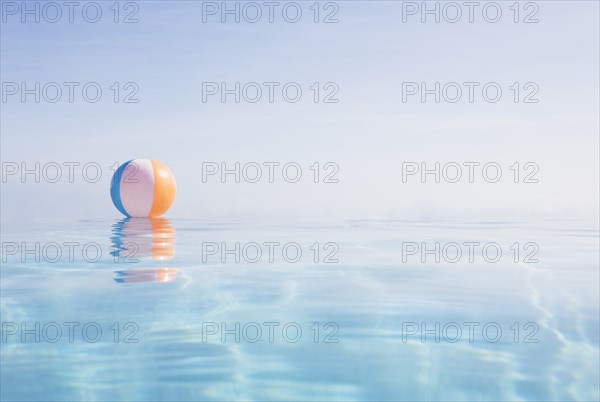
[[369, 53]]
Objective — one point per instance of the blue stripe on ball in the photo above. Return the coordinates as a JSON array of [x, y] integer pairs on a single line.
[[115, 188]]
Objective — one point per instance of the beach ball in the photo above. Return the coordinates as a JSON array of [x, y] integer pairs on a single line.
[[143, 188]]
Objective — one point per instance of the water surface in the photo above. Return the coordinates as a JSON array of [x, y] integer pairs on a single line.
[[358, 315]]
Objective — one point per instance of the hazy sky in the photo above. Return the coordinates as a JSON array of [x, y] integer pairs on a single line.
[[369, 133]]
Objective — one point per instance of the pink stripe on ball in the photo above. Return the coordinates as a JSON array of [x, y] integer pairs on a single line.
[[137, 188]]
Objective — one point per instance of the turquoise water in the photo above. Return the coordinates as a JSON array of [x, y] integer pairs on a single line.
[[181, 319]]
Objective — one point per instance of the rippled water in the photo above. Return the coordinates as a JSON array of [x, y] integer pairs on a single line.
[[170, 303]]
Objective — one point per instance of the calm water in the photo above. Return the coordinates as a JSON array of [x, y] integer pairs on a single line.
[[357, 310]]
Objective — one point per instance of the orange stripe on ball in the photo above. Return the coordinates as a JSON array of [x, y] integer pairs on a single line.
[[164, 189]]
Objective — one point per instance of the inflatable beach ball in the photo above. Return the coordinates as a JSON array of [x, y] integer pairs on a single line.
[[143, 188]]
